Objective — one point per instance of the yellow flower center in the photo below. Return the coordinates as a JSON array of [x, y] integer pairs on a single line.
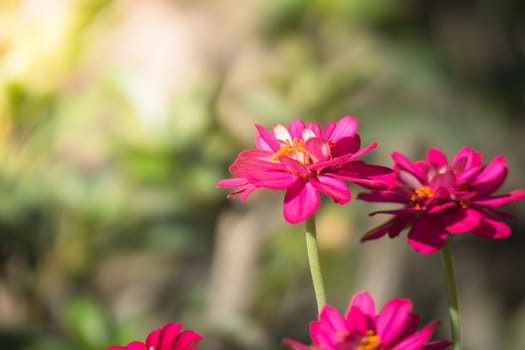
[[420, 195], [293, 150], [370, 341]]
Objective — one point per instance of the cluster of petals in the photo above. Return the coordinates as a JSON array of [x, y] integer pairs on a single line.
[[305, 160], [394, 328], [441, 198], [169, 337]]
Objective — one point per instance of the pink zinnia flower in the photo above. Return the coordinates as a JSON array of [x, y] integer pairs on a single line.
[[304, 160], [168, 337], [441, 198], [394, 328]]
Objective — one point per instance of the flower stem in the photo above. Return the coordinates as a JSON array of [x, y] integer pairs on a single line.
[[452, 294], [313, 260]]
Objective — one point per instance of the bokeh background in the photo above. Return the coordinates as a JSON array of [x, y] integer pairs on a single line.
[[117, 118]]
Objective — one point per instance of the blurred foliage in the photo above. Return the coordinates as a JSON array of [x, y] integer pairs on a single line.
[[118, 117]]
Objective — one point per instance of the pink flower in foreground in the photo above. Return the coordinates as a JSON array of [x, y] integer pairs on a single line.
[[304, 160], [394, 328], [441, 198], [168, 337]]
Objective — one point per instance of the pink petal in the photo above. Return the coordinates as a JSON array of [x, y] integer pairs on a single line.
[[417, 340], [300, 201], [168, 335], [445, 180], [334, 162], [392, 320], [460, 220], [185, 339], [427, 234], [467, 163], [345, 127], [491, 177], [405, 164], [277, 180], [318, 148], [408, 181], [338, 191], [320, 336], [490, 227], [135, 345], [377, 232], [357, 321], [293, 166], [232, 183], [364, 302], [296, 129], [316, 128], [332, 319], [496, 201], [267, 139], [383, 196], [345, 145], [153, 339], [365, 150], [251, 161], [435, 156]]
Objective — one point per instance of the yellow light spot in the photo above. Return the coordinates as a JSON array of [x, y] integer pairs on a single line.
[[295, 151], [420, 195], [370, 341]]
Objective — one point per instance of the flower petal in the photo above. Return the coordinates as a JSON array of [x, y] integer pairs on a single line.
[[266, 139], [467, 163], [168, 335], [300, 201], [232, 183], [392, 320], [405, 164], [295, 345], [491, 177], [318, 148], [277, 180], [427, 234], [364, 302], [417, 340], [335, 189], [281, 133], [345, 127], [296, 128], [460, 220], [345, 145], [435, 156], [383, 196], [436, 345], [185, 339], [490, 227], [153, 339], [496, 201]]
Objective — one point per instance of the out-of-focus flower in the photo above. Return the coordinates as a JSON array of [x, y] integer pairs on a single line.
[[394, 328], [305, 160], [168, 337], [441, 198]]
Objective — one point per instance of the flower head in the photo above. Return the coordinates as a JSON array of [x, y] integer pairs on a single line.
[[304, 160], [440, 198], [394, 328], [169, 337]]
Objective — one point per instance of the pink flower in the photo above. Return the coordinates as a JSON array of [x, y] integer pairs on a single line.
[[394, 328], [304, 160], [168, 337], [439, 198]]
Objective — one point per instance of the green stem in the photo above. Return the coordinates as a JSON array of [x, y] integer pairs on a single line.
[[452, 295], [313, 260]]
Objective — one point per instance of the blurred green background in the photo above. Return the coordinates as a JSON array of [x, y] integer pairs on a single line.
[[117, 118]]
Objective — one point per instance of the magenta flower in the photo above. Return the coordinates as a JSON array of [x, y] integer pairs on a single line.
[[168, 337], [305, 160], [394, 328], [441, 198]]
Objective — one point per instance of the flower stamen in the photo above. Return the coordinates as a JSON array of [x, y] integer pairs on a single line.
[[370, 341], [420, 195], [295, 151]]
